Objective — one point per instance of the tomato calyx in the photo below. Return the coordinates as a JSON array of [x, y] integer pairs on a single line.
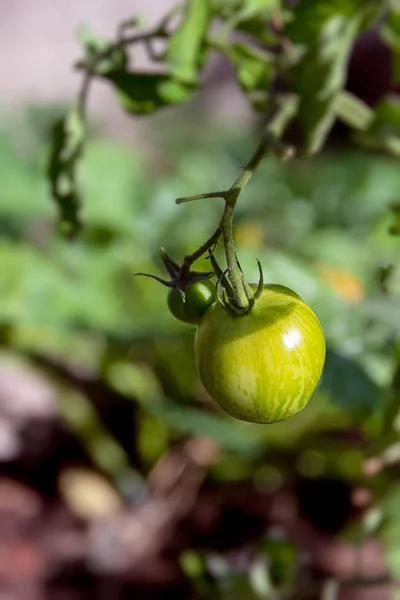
[[224, 293], [190, 292], [181, 276]]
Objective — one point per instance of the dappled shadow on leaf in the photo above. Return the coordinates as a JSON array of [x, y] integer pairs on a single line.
[[142, 93], [349, 385]]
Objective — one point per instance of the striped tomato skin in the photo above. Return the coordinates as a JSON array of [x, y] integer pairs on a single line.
[[261, 367]]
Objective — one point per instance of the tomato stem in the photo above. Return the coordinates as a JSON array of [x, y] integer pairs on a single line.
[[240, 302], [239, 296], [242, 296], [191, 258]]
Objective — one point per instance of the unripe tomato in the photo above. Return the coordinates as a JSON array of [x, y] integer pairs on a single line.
[[198, 298], [263, 366]]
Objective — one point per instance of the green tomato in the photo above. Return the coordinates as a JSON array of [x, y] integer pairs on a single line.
[[263, 366], [198, 298]]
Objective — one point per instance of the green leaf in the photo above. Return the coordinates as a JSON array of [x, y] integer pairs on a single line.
[[67, 141], [390, 32], [249, 16], [353, 112], [323, 33], [254, 8], [383, 132], [349, 385], [287, 106], [310, 16], [254, 69], [225, 8], [245, 11], [141, 93], [252, 74], [185, 47]]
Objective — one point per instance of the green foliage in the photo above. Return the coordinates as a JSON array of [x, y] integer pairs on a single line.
[[185, 47], [254, 68], [384, 131], [323, 34], [390, 31], [143, 93], [290, 62]]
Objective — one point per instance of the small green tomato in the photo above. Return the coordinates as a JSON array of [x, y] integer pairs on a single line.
[[263, 366], [198, 298]]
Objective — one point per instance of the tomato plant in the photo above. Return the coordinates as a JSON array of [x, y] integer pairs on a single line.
[[263, 366], [280, 379]]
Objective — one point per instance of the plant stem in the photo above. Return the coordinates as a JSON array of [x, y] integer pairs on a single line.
[[159, 31], [200, 197], [191, 258], [239, 296], [235, 275], [226, 228], [84, 94]]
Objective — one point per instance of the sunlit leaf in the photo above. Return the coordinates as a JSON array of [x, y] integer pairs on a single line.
[[186, 45], [240, 11], [383, 132], [390, 31], [253, 70]]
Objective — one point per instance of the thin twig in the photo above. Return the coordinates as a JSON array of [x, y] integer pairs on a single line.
[[191, 258], [159, 31]]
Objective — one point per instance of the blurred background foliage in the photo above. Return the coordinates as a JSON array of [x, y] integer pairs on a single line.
[[119, 476], [122, 368]]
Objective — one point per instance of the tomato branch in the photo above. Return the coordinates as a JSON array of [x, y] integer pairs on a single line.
[[239, 293]]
